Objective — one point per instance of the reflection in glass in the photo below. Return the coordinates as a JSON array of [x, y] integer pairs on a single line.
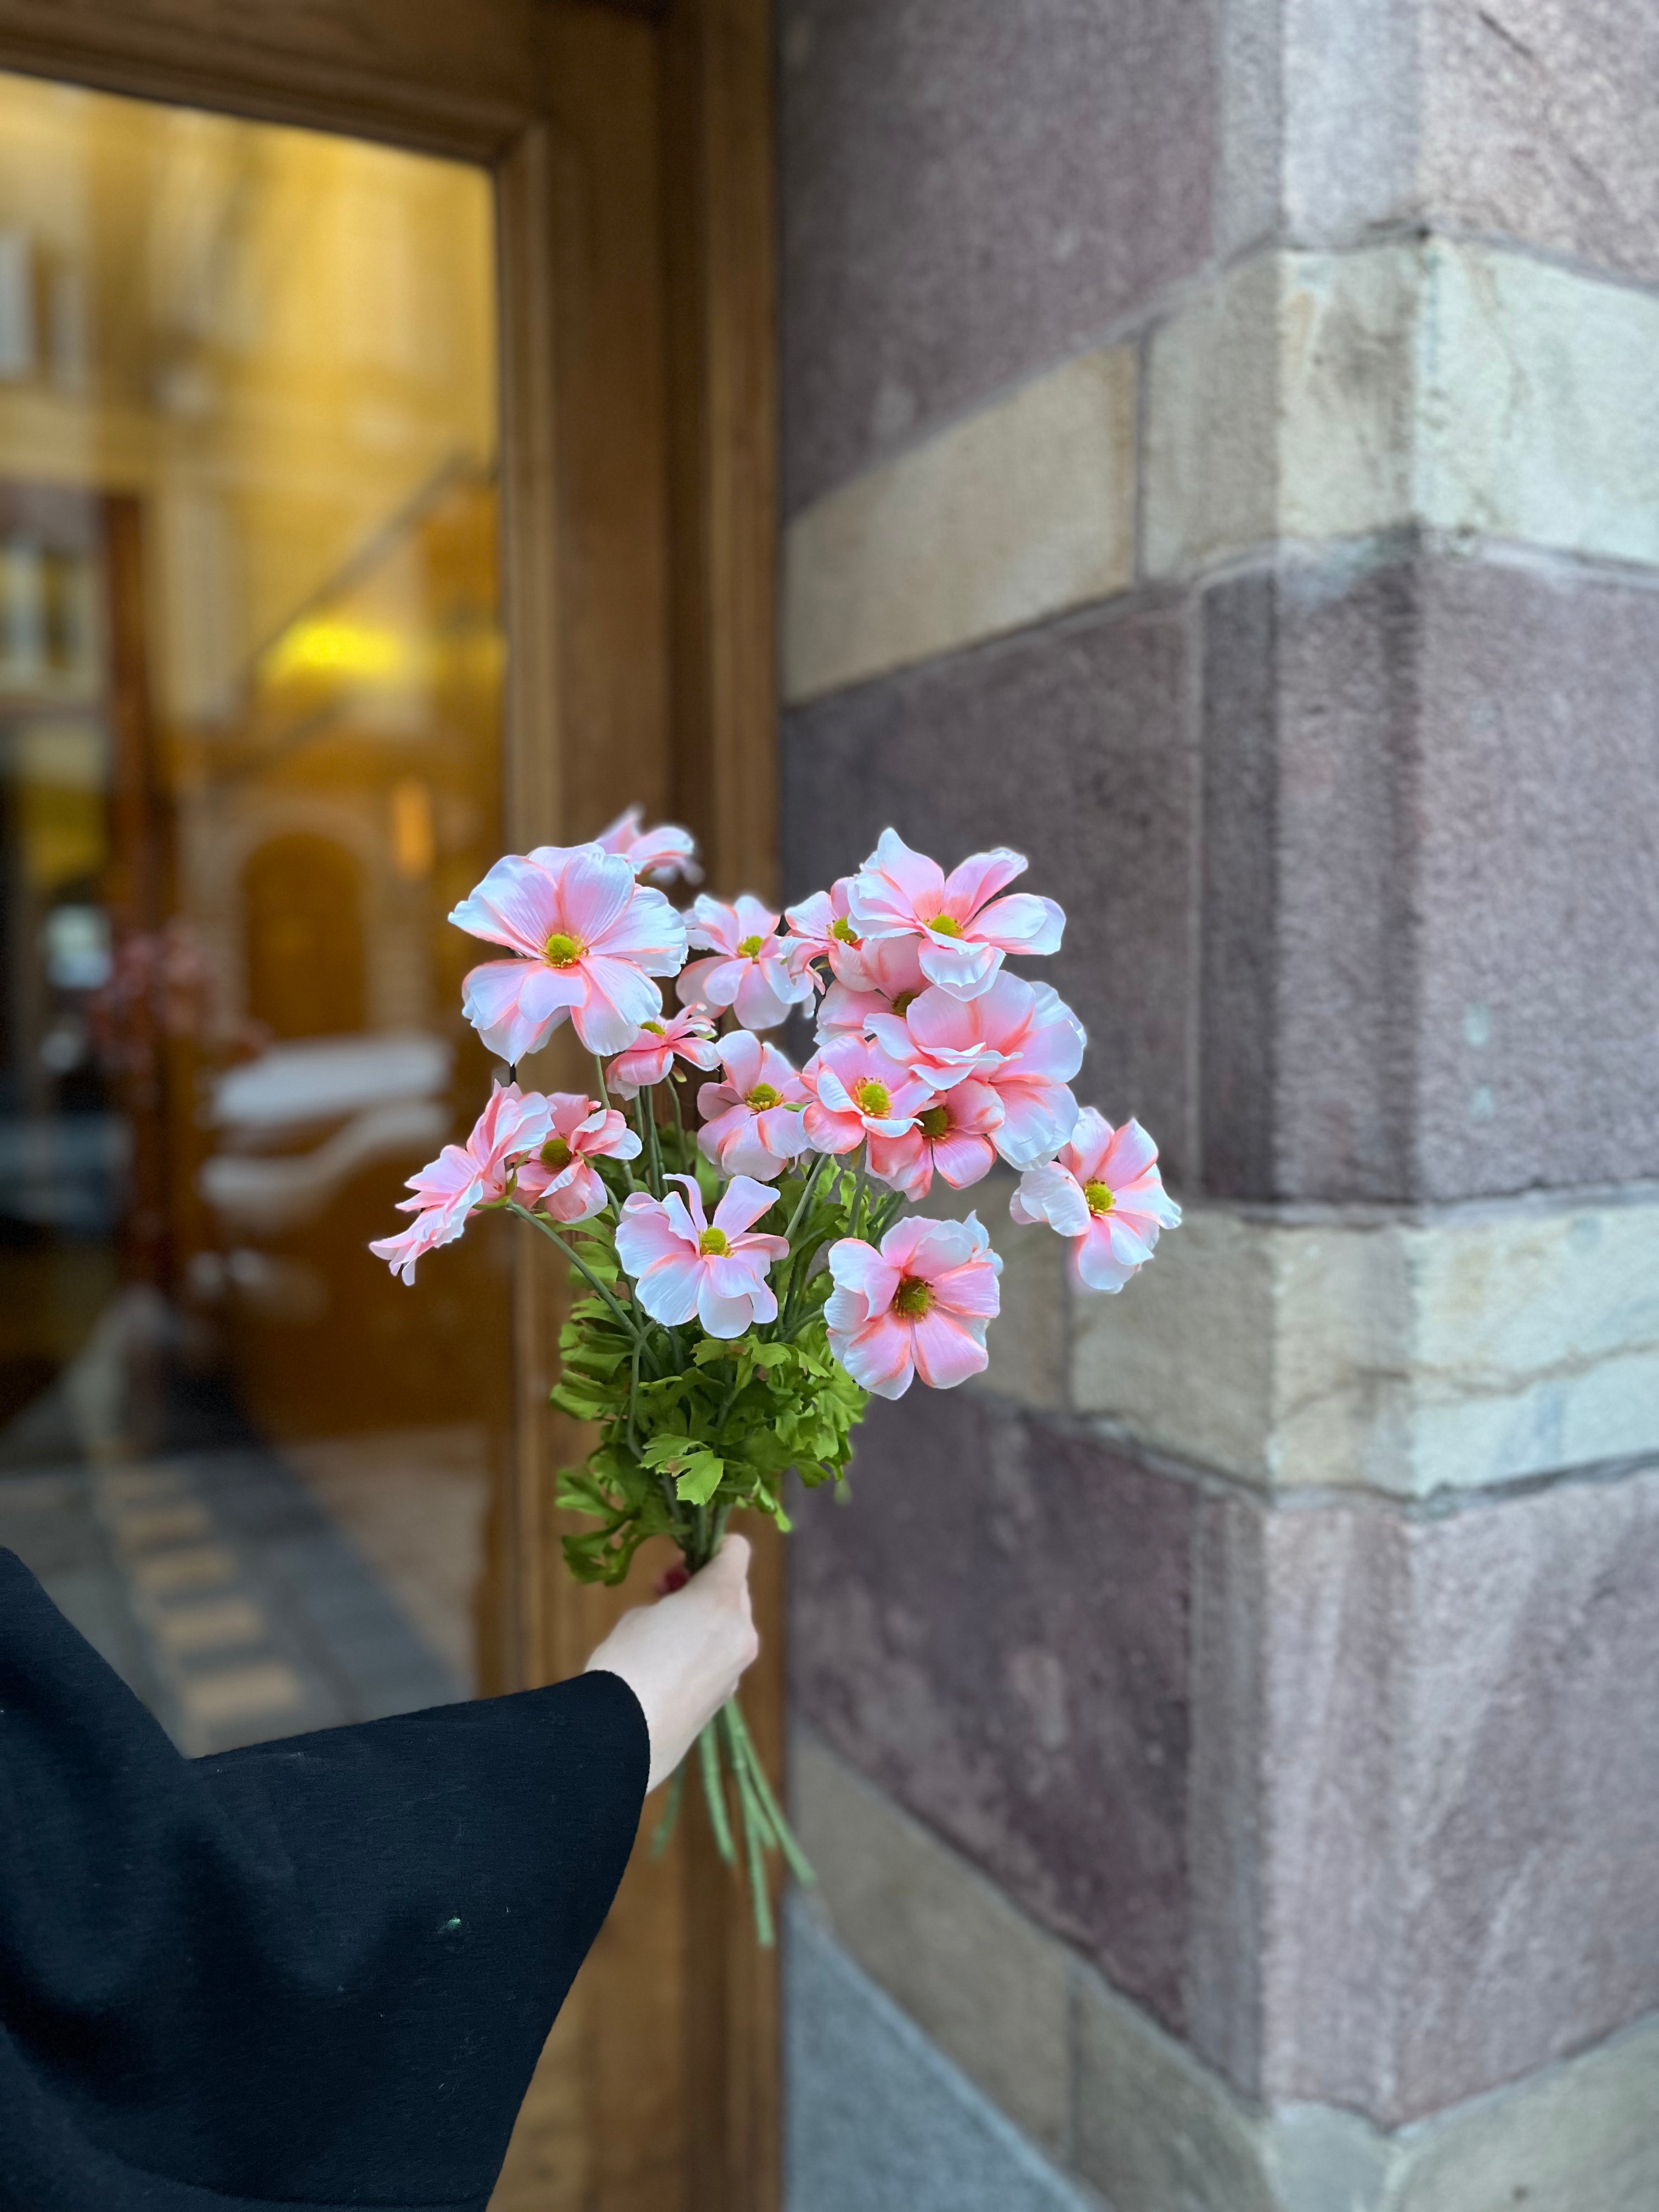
[[250, 666]]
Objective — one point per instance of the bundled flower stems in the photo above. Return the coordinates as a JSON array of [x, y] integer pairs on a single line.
[[749, 1272]]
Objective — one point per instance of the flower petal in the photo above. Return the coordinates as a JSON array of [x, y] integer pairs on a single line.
[[980, 877], [595, 889], [742, 1205], [670, 1289], [491, 999], [619, 999], [959, 965], [945, 1352], [878, 1356], [515, 905], [1023, 923]]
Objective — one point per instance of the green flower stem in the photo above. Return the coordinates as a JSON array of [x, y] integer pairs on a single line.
[[799, 1865], [581, 1267], [679, 1118], [756, 1835], [598, 1072], [805, 1199], [671, 1811], [715, 1789], [646, 1130]]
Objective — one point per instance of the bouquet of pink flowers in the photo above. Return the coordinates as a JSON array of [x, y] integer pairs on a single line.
[[750, 1273]]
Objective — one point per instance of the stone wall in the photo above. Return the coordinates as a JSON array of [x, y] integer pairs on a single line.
[[1222, 459]]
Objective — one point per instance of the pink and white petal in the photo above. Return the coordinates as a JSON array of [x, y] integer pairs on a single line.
[[858, 1266], [762, 1250], [832, 1132], [980, 877], [743, 1151], [963, 1159], [1128, 1156], [645, 1237], [877, 1356], [582, 1196], [844, 1312], [757, 1004], [1051, 1193], [846, 1012], [689, 986], [670, 1289], [1090, 1141], [959, 965], [1023, 923], [1037, 1119], [811, 919], [906, 884], [743, 1056], [1147, 1198], [491, 1001], [1094, 1263], [649, 933], [595, 889], [945, 1352], [515, 905], [619, 999], [743, 1204], [781, 1132], [720, 1130], [904, 1163], [730, 1317], [753, 919], [735, 1274], [1128, 1244], [940, 1246], [686, 1212], [974, 1290], [713, 923]]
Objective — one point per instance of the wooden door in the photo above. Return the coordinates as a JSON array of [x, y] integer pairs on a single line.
[[631, 146]]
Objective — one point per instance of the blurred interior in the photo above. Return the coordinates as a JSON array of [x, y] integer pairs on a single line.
[[250, 668]]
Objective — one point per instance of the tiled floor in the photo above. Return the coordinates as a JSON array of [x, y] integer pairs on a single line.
[[219, 1584]]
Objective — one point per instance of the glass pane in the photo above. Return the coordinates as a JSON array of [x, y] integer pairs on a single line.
[[250, 668]]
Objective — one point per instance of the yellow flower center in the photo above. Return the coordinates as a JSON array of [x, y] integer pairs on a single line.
[[713, 1242], [843, 930], [556, 1154], [933, 1122], [913, 1297], [761, 1097], [655, 1028], [872, 1099], [905, 1000], [1100, 1199], [563, 952], [749, 947], [944, 925]]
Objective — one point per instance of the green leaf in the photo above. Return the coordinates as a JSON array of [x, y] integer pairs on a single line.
[[701, 1479]]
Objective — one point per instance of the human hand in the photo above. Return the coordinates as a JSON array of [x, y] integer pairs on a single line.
[[683, 1657]]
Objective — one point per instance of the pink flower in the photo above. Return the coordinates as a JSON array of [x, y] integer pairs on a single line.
[[883, 977], [652, 1054], [751, 969], [557, 1177], [753, 1122], [1105, 1191], [661, 854], [964, 928], [684, 1265], [819, 930], [952, 1138], [918, 1306], [1021, 1039], [857, 1092], [588, 939], [465, 1176]]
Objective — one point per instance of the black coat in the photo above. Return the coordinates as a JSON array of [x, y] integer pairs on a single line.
[[310, 1974]]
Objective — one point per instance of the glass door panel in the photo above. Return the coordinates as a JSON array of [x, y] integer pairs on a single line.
[[250, 734]]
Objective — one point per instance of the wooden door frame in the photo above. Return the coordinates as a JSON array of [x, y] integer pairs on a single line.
[[632, 147]]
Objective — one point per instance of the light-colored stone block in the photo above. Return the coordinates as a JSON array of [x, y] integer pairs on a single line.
[[1539, 405], [1580, 2138], [1155, 2129], [1407, 1354], [989, 1987], [1315, 396], [1022, 509]]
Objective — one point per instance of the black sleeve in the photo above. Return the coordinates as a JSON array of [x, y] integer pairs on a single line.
[[314, 1974]]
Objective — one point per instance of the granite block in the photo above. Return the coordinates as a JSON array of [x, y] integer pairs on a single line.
[[1430, 924], [875, 2118], [1022, 509], [1537, 1053], [1538, 122], [994, 1629], [971, 191], [1311, 730], [1069, 742], [991, 1989], [1461, 1750]]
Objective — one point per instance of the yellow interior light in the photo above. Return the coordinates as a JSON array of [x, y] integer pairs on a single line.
[[330, 646]]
